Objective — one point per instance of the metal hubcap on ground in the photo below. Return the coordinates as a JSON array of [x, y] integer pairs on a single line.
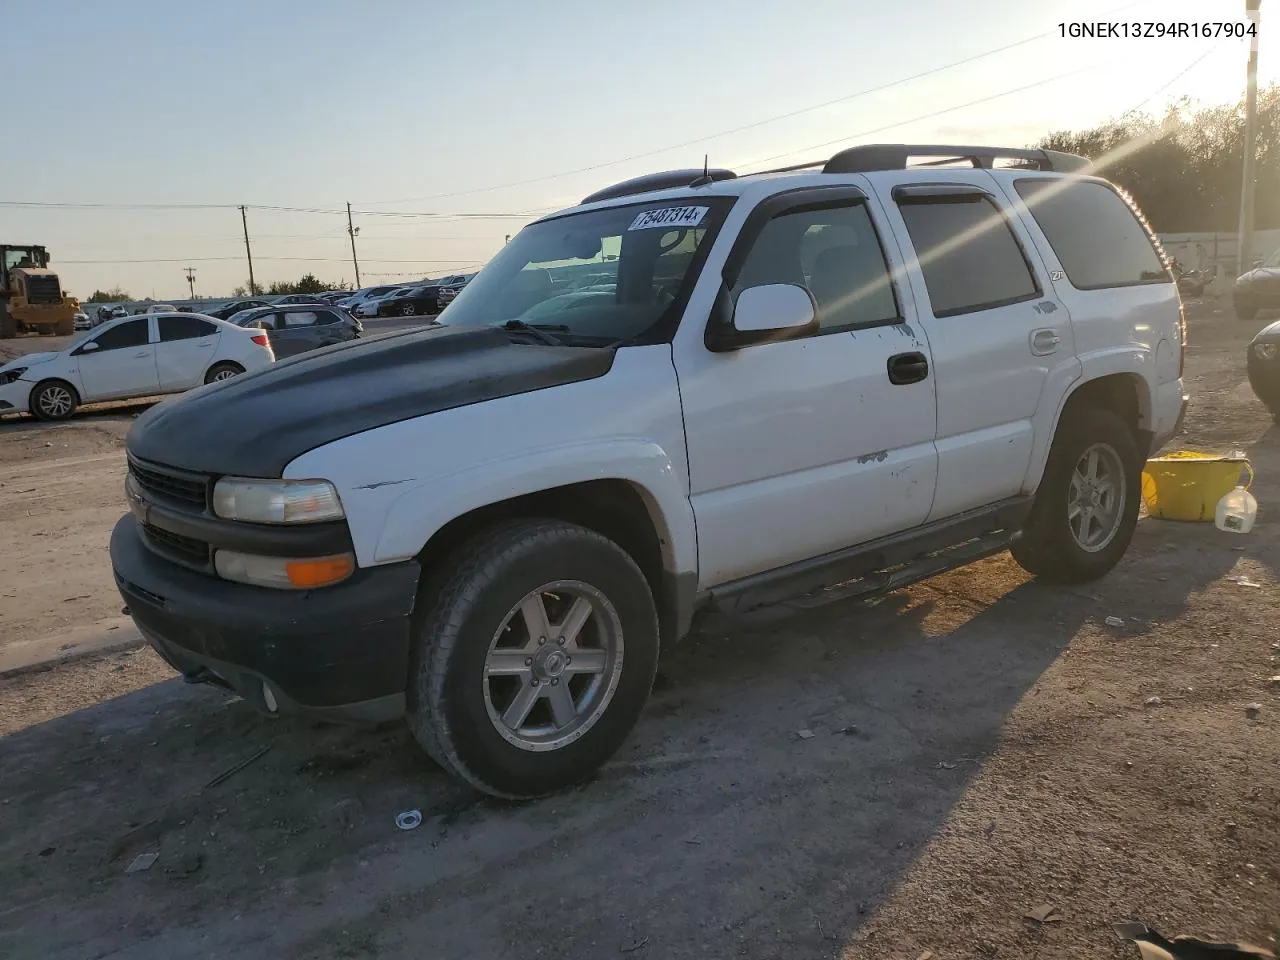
[[553, 666], [223, 375], [1095, 497], [55, 401]]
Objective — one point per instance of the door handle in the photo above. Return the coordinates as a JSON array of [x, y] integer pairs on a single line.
[[1044, 342], [908, 368]]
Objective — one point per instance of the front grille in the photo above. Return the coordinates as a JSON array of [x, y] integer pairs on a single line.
[[187, 549], [190, 489], [43, 290]]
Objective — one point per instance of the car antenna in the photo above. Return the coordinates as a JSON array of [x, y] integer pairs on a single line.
[[705, 179]]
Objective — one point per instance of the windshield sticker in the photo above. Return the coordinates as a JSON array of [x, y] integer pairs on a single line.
[[669, 217]]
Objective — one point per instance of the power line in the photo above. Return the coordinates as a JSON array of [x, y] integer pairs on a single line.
[[261, 258], [751, 126], [925, 116], [1178, 76]]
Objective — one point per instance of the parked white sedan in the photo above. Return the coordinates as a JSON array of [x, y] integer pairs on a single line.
[[132, 357]]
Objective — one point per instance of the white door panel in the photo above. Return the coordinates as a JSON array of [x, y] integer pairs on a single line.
[[181, 363], [124, 372], [800, 448]]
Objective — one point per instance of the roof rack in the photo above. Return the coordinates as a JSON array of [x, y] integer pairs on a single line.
[[894, 156], [861, 159]]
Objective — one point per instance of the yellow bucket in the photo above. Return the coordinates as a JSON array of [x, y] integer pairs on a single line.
[[1187, 485]]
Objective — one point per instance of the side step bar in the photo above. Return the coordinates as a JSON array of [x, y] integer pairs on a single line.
[[882, 565]]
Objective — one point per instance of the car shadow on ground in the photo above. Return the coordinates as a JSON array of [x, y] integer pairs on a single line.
[[790, 768], [94, 412]]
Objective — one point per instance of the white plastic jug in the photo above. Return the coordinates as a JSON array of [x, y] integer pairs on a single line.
[[1236, 511]]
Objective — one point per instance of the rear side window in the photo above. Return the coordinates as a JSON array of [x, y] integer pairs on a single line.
[[299, 318], [1094, 233], [184, 328], [968, 254]]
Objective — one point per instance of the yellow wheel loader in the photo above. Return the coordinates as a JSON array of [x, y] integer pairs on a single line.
[[31, 295]]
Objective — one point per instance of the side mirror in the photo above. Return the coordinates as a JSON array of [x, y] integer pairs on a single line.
[[89, 347], [774, 311]]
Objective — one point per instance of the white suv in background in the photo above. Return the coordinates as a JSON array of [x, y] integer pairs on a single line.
[[856, 372]]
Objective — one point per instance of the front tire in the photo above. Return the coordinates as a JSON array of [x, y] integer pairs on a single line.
[[533, 655], [409, 310], [1086, 508], [53, 400]]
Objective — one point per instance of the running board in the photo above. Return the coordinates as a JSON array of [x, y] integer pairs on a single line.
[[882, 565]]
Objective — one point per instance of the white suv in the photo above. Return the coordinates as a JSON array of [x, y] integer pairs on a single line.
[[860, 371]]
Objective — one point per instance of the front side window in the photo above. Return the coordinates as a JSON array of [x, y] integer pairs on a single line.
[[835, 253], [184, 328], [132, 333], [1094, 233], [652, 251], [968, 254]]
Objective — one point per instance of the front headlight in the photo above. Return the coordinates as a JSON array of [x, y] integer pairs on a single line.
[[1266, 351], [11, 375], [276, 501]]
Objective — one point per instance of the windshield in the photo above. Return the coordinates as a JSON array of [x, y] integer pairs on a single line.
[[641, 261]]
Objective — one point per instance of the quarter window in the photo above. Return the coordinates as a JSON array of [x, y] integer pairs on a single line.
[[835, 253], [968, 254], [1094, 233]]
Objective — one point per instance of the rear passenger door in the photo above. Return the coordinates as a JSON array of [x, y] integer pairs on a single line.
[[997, 332], [184, 352], [295, 333]]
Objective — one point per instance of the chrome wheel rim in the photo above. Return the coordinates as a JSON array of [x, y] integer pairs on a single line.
[[553, 666], [225, 374], [408, 310], [1096, 497], [55, 401]]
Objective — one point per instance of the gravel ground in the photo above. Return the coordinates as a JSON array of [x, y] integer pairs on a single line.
[[981, 747]]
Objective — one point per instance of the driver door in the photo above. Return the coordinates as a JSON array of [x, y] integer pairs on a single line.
[[122, 364]]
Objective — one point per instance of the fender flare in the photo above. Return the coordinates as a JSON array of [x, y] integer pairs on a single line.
[[422, 510]]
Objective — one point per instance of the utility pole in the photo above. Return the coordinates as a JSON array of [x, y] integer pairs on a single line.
[[352, 231], [1245, 244], [244, 220], [191, 281]]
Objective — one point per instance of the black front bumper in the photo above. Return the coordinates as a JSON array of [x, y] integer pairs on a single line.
[[339, 653]]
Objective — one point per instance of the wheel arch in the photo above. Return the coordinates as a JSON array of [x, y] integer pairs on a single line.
[[76, 395], [1123, 392]]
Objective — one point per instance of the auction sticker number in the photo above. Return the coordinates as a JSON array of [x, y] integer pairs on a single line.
[[669, 217]]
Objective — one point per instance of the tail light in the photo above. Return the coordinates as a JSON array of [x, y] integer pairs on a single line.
[[261, 340]]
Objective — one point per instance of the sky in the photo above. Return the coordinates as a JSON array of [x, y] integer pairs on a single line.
[[449, 126]]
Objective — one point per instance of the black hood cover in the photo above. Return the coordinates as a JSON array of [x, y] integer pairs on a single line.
[[255, 424]]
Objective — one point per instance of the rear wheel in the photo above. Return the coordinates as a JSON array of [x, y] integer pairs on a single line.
[[53, 400], [223, 371], [1086, 508], [8, 323], [533, 658], [409, 310]]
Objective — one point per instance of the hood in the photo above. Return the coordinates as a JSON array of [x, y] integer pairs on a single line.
[[255, 424], [1270, 332], [1267, 274], [27, 360]]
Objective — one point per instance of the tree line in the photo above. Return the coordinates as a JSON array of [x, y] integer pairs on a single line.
[[1184, 169]]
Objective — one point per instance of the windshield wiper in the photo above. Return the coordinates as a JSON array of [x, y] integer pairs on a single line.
[[537, 331]]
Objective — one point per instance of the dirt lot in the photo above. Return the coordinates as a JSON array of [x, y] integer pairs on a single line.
[[981, 748]]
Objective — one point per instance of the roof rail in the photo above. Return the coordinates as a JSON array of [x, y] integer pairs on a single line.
[[659, 181], [894, 156]]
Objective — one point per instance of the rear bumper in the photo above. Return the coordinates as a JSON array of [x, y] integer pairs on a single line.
[[340, 653]]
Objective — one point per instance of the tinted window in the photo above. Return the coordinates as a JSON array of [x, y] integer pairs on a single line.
[[833, 251], [1094, 233], [968, 255], [130, 334], [324, 316], [185, 328], [300, 318]]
